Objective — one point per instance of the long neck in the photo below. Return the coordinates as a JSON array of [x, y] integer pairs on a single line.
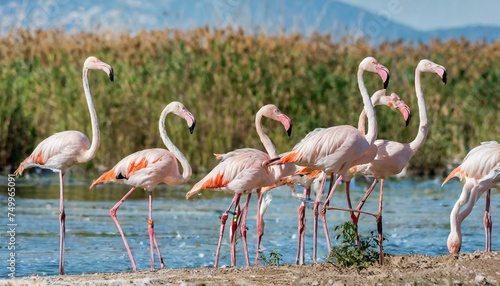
[[277, 170], [96, 138], [423, 127], [266, 141], [368, 108], [186, 168]]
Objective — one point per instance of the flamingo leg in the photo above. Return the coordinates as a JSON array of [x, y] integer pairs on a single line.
[[315, 214], [223, 220], [242, 220], [234, 226], [301, 228], [112, 213], [152, 236], [62, 222], [260, 230], [354, 216], [379, 223], [488, 224], [323, 210]]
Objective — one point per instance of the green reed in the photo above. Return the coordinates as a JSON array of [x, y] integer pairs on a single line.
[[224, 77]]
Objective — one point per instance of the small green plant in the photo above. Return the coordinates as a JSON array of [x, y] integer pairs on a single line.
[[274, 257], [348, 253]]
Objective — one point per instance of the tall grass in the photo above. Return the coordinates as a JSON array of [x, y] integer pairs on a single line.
[[224, 77]]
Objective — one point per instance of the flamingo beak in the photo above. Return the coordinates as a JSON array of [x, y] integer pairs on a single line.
[[405, 111], [191, 128], [111, 75], [383, 72], [441, 71]]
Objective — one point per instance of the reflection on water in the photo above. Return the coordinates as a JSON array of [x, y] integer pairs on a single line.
[[416, 220]]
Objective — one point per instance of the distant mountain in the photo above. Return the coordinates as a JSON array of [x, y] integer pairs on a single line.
[[272, 17]]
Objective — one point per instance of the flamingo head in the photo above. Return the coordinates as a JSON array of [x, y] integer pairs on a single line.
[[273, 112], [372, 65], [454, 243], [96, 64], [394, 101], [180, 110], [429, 66]]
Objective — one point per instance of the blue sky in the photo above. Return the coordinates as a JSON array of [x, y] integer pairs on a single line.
[[435, 14], [132, 15]]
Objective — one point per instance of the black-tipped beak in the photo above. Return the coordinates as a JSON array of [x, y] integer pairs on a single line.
[[445, 77], [191, 128], [386, 82], [112, 75], [289, 131], [408, 120]]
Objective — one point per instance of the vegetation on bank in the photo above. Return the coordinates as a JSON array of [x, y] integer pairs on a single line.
[[223, 77]]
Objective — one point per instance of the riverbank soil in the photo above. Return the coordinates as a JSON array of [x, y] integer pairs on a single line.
[[479, 268]]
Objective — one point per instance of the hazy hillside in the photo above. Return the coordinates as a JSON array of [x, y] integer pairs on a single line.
[[272, 17]]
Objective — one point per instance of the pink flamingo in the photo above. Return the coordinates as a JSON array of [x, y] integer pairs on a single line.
[[64, 149], [391, 157], [146, 169], [481, 171], [336, 149], [301, 175], [241, 171]]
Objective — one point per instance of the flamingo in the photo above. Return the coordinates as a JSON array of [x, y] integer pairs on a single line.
[[302, 177], [146, 169], [241, 171], [391, 156], [336, 149], [64, 149], [480, 169]]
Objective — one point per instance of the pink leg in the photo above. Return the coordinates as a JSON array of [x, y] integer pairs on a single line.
[[302, 228], [152, 236], [315, 215], [354, 216], [242, 220], [223, 220], [379, 223], [323, 211], [260, 230], [112, 212], [234, 226], [365, 197], [62, 222], [488, 224]]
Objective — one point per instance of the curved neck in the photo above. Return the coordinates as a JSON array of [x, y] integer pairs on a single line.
[[368, 108], [362, 122], [186, 168], [90, 153], [423, 127], [266, 141]]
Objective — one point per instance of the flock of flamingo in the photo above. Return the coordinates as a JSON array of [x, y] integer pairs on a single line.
[[344, 151]]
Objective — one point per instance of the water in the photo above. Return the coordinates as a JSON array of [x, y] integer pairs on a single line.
[[416, 221]]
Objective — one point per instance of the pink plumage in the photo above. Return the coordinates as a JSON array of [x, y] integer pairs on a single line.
[[146, 169], [64, 149], [479, 173]]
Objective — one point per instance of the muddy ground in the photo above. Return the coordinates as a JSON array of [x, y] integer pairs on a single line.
[[479, 268]]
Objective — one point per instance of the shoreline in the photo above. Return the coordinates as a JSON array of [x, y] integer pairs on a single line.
[[481, 268]]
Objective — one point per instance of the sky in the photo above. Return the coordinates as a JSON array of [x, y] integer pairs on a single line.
[[132, 15], [427, 15]]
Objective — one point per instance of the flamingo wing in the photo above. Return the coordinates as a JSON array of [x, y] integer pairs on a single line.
[[238, 171], [144, 169], [57, 152], [330, 149]]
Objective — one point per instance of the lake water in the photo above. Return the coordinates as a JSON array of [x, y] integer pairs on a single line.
[[416, 220]]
